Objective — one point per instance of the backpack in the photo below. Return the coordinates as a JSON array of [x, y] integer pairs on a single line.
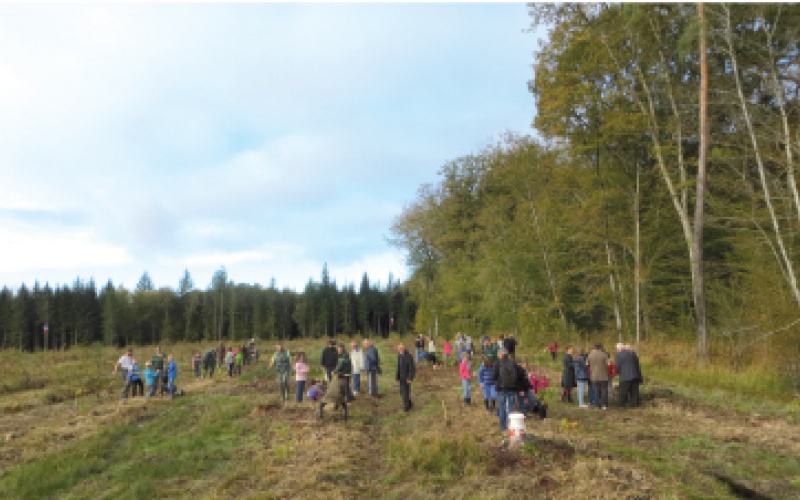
[[507, 374]]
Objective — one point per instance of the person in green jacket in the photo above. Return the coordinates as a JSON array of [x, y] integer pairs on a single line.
[[239, 361], [282, 361], [342, 372], [490, 350]]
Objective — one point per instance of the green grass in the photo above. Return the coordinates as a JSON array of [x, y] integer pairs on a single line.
[[150, 450], [210, 443], [441, 459]]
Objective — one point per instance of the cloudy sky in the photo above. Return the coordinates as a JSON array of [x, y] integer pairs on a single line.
[[266, 138]]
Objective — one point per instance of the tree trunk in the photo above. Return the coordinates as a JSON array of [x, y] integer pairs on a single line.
[[785, 261], [699, 206], [637, 259]]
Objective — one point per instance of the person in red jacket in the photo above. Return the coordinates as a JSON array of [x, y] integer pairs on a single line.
[[553, 348]]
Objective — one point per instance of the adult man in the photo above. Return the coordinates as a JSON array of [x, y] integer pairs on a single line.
[[329, 359], [338, 395], [598, 374], [630, 376], [209, 362], [221, 353], [254, 354], [124, 365], [372, 365], [357, 360], [282, 361], [157, 365], [510, 343], [405, 375], [507, 384]]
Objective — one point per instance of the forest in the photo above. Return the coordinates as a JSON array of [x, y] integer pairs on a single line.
[[656, 198], [43, 318]]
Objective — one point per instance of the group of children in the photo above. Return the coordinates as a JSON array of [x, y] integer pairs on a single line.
[[159, 375]]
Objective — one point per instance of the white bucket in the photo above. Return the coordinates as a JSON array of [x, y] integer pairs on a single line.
[[516, 426]]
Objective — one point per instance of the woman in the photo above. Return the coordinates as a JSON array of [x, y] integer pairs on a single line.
[[568, 376]]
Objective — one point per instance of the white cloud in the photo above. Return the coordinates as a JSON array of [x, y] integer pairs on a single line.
[[270, 137], [44, 250]]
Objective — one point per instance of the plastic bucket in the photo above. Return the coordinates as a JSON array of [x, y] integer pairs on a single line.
[[516, 426]]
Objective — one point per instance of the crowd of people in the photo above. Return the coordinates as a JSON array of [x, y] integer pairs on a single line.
[[592, 374], [506, 385], [161, 372]]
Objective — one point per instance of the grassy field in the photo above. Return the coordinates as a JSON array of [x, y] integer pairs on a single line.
[[65, 434]]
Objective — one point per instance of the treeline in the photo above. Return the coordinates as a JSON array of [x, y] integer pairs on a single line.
[[46, 318], [592, 225]]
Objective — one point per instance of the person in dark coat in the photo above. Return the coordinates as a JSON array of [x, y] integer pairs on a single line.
[[329, 359], [630, 376], [372, 365], [405, 375], [568, 380], [506, 378], [510, 345]]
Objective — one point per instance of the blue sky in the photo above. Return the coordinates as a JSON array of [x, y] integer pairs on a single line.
[[266, 138]]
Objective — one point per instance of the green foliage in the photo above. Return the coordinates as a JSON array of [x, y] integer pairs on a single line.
[[590, 229], [225, 311]]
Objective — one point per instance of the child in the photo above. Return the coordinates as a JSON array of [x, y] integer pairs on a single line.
[[230, 358], [528, 403], [466, 374], [300, 373], [135, 379], [317, 390], [172, 375], [447, 350], [196, 364], [151, 379], [239, 361], [486, 380]]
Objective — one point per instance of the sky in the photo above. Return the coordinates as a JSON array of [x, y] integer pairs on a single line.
[[269, 139]]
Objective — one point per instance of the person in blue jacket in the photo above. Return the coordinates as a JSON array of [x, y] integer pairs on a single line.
[[486, 380], [582, 377], [151, 379], [172, 374]]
